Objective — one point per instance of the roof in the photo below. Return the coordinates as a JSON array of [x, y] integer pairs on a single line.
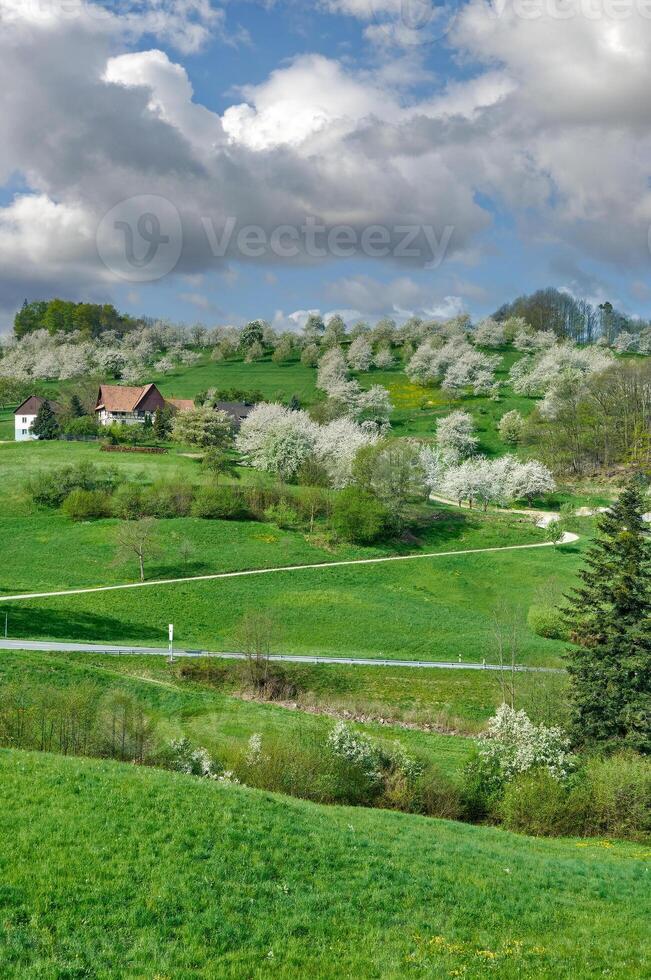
[[121, 398], [238, 410], [181, 404], [32, 404]]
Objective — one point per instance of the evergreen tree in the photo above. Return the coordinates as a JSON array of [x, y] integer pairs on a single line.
[[76, 408], [163, 423], [45, 424], [610, 621]]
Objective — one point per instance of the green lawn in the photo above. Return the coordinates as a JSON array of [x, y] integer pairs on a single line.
[[113, 871]]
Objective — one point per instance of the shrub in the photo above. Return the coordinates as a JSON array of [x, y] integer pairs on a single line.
[[283, 515], [51, 487], [535, 803], [618, 790], [358, 516], [82, 426], [83, 505], [169, 499], [515, 745], [438, 796], [547, 621], [129, 502], [225, 503]]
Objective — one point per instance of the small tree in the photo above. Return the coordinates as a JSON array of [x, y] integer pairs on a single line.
[[609, 617], [76, 408], [203, 427], [218, 463], [163, 421], [254, 636], [511, 427], [45, 424], [138, 540]]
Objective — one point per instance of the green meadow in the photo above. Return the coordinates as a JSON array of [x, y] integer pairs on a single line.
[[112, 870]]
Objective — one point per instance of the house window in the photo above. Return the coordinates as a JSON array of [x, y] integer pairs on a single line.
[[24, 420]]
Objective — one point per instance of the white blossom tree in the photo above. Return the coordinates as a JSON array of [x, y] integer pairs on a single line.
[[455, 437], [360, 354], [489, 333]]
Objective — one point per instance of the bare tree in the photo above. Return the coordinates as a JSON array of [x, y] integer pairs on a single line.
[[137, 539], [506, 632], [254, 636]]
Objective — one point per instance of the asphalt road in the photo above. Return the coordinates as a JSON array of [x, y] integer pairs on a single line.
[[107, 648]]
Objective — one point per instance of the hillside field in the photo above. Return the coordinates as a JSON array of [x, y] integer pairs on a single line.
[[112, 870]]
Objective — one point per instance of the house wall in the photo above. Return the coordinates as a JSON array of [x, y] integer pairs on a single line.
[[22, 428]]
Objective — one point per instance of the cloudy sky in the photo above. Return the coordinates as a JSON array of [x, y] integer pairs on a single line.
[[219, 161]]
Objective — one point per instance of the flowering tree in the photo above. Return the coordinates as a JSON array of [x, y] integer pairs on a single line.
[[337, 445], [203, 427], [454, 437], [531, 479], [625, 341], [473, 370], [537, 375], [360, 354], [383, 358], [489, 333], [511, 427], [513, 745], [274, 439]]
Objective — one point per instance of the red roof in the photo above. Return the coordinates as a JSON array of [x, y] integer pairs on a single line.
[[121, 398]]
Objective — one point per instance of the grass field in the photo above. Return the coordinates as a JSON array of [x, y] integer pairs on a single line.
[[109, 870], [440, 608]]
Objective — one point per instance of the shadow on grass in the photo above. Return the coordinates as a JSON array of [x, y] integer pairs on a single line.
[[40, 622]]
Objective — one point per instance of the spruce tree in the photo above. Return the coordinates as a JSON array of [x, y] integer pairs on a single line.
[[609, 618], [76, 408], [45, 424]]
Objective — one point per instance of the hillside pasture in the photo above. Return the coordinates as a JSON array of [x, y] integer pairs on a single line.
[[114, 870]]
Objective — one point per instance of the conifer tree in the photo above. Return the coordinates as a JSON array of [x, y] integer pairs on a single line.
[[76, 408], [609, 618], [45, 424]]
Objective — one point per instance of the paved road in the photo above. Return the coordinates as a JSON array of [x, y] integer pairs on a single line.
[[567, 538], [69, 647]]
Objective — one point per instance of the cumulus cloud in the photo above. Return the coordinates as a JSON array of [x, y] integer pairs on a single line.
[[535, 126], [401, 297]]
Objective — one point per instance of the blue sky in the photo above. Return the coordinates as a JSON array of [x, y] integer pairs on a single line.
[[524, 138]]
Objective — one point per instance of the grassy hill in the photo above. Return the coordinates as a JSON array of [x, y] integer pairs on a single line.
[[110, 870]]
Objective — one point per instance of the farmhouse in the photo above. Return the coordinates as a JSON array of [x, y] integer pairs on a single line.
[[131, 406], [238, 411], [25, 415]]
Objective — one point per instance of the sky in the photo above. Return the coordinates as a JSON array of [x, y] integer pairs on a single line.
[[217, 162]]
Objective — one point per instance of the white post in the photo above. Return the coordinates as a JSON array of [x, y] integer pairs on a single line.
[[171, 636]]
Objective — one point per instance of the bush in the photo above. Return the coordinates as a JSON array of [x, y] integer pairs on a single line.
[[222, 503], [618, 790], [83, 505], [50, 488], [129, 502], [535, 803], [83, 426], [283, 515], [172, 498], [438, 796], [358, 516], [548, 622]]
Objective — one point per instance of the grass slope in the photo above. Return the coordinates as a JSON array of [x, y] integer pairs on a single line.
[[113, 871]]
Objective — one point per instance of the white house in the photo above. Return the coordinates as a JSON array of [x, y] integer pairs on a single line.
[[25, 415]]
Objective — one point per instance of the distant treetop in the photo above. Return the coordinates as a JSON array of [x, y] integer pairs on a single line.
[[63, 316]]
